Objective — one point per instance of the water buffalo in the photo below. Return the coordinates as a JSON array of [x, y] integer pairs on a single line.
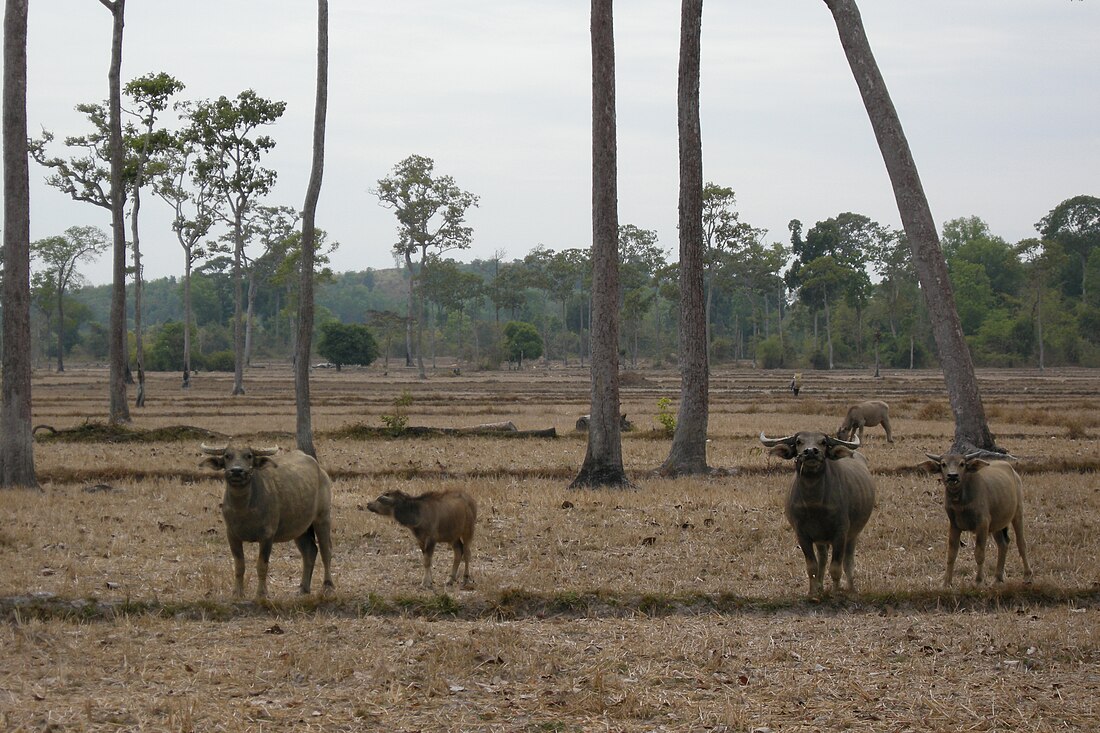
[[436, 516], [270, 500], [831, 499], [982, 497], [866, 414]]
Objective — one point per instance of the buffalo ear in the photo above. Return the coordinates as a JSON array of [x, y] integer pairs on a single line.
[[976, 464], [215, 462], [929, 466], [783, 450], [833, 452]]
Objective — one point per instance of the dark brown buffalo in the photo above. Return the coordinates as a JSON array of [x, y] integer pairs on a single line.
[[268, 500], [437, 516], [831, 499], [982, 497]]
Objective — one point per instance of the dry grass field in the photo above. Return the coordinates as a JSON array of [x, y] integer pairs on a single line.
[[678, 606]]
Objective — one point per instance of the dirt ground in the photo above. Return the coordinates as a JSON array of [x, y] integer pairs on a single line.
[[677, 606]]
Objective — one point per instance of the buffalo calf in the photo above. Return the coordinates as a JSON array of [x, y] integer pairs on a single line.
[[866, 414], [982, 497], [437, 516]]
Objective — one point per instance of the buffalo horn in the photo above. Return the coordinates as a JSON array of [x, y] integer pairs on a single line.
[[933, 457], [212, 450], [850, 444], [265, 451], [772, 442]]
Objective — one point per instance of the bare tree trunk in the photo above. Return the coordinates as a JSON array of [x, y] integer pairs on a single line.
[[971, 429], [60, 328], [187, 321], [139, 342], [1039, 326], [603, 461], [249, 318], [16, 438], [410, 310], [238, 307], [688, 454], [309, 240], [828, 332], [119, 411]]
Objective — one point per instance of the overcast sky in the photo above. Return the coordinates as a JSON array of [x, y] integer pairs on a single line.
[[1000, 102]]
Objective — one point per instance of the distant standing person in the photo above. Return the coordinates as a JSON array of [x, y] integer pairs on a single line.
[[796, 383]]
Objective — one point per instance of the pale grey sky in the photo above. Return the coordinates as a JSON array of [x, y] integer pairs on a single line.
[[999, 101]]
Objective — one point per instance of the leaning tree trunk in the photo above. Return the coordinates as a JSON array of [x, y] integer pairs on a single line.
[[309, 240], [119, 411], [971, 429], [603, 461], [16, 437], [688, 454]]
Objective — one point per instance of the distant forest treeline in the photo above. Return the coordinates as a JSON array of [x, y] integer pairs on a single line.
[[841, 294]]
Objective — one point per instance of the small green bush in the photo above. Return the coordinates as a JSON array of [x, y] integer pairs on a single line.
[[220, 361]]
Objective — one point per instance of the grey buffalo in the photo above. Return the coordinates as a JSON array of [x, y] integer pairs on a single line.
[[983, 497], [866, 414], [272, 499], [831, 499], [433, 517]]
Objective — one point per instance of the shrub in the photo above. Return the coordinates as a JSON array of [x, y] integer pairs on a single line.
[[220, 361], [665, 415], [769, 353]]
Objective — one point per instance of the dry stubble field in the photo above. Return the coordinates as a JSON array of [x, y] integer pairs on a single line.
[[678, 606]]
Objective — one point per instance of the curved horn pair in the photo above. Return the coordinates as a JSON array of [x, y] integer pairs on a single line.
[[772, 442]]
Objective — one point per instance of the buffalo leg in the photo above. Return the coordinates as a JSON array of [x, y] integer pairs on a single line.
[[886, 427], [981, 535], [307, 545], [262, 561], [323, 531], [850, 564], [236, 548], [813, 572], [1001, 538], [954, 539], [1021, 543], [428, 550], [836, 565], [459, 551], [466, 581]]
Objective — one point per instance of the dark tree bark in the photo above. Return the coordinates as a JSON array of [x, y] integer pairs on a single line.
[[603, 461], [309, 240], [139, 342], [119, 411], [688, 454], [16, 438], [971, 428]]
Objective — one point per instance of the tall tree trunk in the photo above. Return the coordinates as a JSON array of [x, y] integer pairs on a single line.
[[238, 306], [309, 240], [60, 327], [187, 320], [16, 438], [1039, 326], [139, 342], [828, 332], [688, 454], [971, 429], [249, 316], [603, 460], [119, 411], [410, 310]]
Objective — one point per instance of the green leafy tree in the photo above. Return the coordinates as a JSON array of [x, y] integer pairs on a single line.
[[60, 256], [347, 343], [1075, 225], [521, 341], [431, 219], [230, 164]]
